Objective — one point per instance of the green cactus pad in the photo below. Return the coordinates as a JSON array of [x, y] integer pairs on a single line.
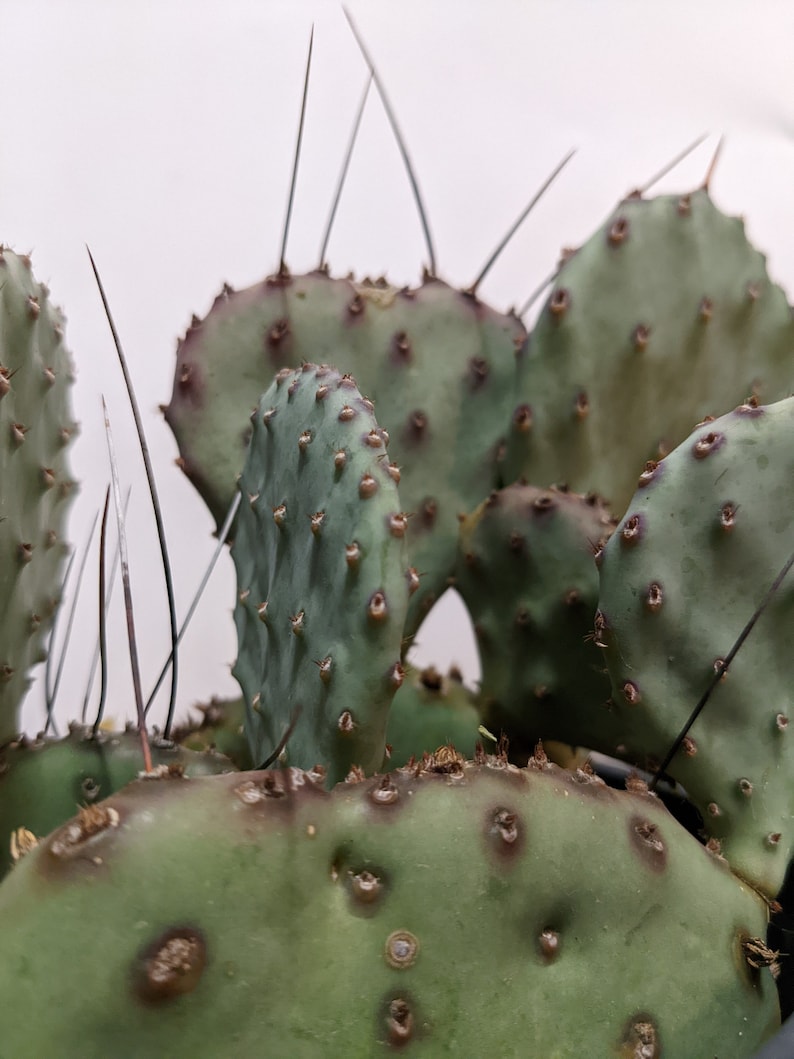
[[430, 711], [36, 427], [664, 316], [44, 781], [322, 575], [703, 539], [449, 909], [221, 728], [528, 576], [441, 366]]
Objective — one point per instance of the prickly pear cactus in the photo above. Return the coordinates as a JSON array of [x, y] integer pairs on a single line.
[[665, 315], [221, 727], [36, 427], [429, 711], [527, 573], [322, 924], [44, 781], [703, 539], [322, 575], [440, 365]]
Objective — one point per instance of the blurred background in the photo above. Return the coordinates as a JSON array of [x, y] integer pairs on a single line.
[[162, 132]]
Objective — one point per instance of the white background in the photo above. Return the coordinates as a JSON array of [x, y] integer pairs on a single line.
[[162, 132]]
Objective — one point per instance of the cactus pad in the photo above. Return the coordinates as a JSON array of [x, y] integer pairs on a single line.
[[443, 910], [36, 427], [44, 781], [429, 711], [441, 366], [322, 575], [221, 728], [528, 576], [703, 539], [666, 315]]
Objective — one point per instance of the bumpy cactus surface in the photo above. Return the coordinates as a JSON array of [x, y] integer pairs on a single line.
[[452, 909], [36, 427], [702, 540], [429, 711], [664, 316], [388, 887], [44, 781], [441, 366], [322, 573], [221, 727], [528, 576]]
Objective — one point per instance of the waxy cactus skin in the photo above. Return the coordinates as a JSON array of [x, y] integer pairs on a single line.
[[36, 488], [665, 315], [43, 781], [706, 533], [322, 573], [372, 882], [442, 367], [528, 575], [345, 923]]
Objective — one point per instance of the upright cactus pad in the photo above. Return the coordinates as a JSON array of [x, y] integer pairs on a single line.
[[666, 315], [36, 427], [528, 576], [703, 539], [322, 575], [451, 909], [441, 366]]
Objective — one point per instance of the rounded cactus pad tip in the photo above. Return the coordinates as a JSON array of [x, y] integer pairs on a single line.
[[665, 315]]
